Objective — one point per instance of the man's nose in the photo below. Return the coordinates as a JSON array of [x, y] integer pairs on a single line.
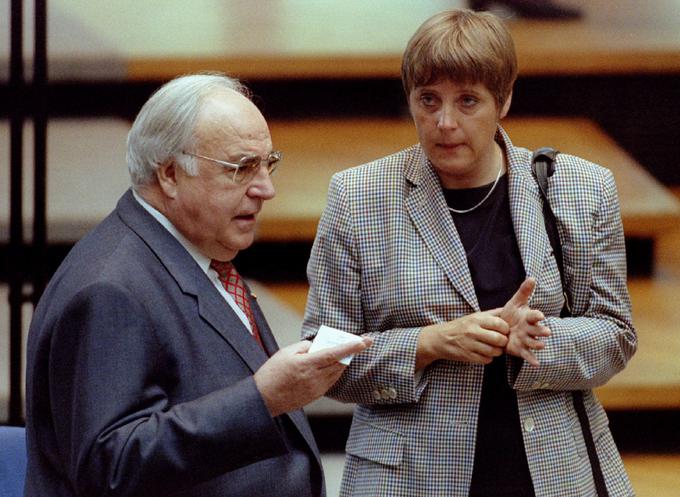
[[261, 185]]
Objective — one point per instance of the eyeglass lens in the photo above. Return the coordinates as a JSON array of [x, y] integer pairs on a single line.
[[251, 164]]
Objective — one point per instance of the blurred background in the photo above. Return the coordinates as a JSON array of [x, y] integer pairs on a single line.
[[598, 78]]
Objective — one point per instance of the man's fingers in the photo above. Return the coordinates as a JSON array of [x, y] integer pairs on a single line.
[[332, 355], [330, 374], [300, 347]]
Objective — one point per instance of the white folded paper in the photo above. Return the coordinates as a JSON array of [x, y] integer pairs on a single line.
[[330, 337]]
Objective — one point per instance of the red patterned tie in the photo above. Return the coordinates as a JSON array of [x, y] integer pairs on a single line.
[[233, 284]]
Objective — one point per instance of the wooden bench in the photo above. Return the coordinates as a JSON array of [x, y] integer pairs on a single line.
[[653, 475], [350, 39], [87, 171], [315, 149]]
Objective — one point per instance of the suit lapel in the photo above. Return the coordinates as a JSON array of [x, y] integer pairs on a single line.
[[297, 417], [191, 280], [211, 306], [213, 309], [427, 209], [266, 334]]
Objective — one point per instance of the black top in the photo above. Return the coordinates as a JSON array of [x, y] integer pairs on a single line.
[[500, 467]]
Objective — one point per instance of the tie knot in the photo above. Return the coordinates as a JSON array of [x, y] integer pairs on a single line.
[[223, 269]]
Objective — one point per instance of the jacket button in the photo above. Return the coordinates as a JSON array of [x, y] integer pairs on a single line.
[[391, 393], [529, 425], [377, 395]]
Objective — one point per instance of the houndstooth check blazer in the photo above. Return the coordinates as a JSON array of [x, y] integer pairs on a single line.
[[387, 260]]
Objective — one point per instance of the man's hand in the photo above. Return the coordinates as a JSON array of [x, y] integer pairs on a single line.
[[525, 329], [475, 338], [292, 378]]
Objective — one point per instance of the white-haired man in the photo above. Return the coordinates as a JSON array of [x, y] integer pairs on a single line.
[[151, 370]]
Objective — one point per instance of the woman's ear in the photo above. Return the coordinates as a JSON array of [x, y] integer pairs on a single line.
[[506, 106]]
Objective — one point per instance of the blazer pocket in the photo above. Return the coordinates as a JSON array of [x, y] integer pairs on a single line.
[[371, 442]]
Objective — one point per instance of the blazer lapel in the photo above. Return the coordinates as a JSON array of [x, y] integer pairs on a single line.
[[191, 280], [525, 208], [427, 208]]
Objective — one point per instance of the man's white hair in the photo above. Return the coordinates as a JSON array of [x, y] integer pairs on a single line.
[[165, 125]]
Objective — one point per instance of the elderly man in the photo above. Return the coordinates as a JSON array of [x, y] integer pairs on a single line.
[[151, 369]]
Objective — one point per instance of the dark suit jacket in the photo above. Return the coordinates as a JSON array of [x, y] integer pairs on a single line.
[[140, 379]]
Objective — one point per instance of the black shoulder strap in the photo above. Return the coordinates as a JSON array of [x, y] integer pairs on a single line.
[[543, 166]]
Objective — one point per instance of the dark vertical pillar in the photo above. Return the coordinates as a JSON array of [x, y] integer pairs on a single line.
[[16, 237], [39, 266]]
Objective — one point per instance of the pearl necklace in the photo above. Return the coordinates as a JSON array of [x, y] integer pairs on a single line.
[[493, 187]]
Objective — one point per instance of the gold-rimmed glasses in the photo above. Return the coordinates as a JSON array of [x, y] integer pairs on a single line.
[[248, 166]]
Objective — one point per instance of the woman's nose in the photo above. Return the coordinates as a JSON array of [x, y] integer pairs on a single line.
[[447, 118]]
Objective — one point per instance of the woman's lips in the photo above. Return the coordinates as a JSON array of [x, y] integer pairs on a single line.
[[449, 146]]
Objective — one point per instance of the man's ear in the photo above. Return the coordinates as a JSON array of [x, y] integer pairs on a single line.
[[167, 177], [506, 106]]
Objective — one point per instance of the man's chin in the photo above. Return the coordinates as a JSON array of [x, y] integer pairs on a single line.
[[240, 242]]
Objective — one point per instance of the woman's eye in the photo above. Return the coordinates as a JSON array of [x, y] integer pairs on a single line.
[[427, 100], [468, 101]]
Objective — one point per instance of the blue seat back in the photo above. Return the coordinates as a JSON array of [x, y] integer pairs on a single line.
[[12, 461]]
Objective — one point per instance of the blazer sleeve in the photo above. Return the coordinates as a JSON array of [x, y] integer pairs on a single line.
[[116, 430], [585, 351], [383, 373]]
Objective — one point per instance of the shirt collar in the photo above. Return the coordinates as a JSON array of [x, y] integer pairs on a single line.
[[202, 261]]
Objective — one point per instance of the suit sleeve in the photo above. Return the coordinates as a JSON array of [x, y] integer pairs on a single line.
[[383, 373], [586, 351], [115, 428]]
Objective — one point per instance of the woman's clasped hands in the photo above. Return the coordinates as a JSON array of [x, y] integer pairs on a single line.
[[514, 329]]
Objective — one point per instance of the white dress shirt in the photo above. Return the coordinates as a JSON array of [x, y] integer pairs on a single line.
[[202, 261]]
